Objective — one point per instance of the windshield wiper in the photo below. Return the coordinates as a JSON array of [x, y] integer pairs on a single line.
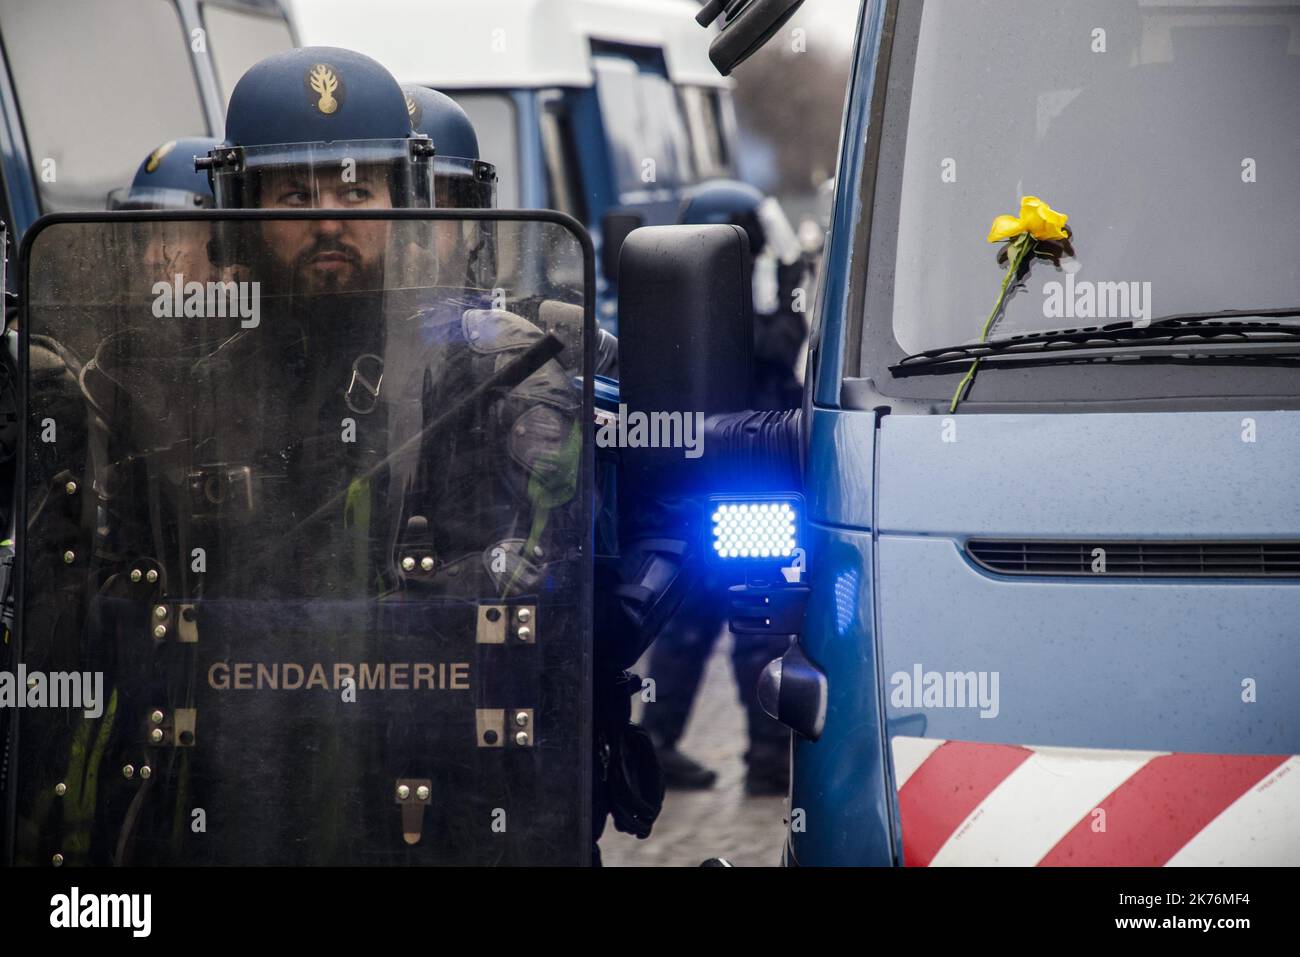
[[1251, 326]]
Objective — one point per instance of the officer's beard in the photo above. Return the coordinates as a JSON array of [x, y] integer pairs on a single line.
[[333, 266], [327, 267]]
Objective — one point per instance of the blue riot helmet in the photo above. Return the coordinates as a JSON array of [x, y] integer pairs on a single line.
[[460, 179], [722, 201], [320, 127], [167, 178]]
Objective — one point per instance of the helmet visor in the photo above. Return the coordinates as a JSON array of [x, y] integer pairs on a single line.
[[460, 183], [356, 174]]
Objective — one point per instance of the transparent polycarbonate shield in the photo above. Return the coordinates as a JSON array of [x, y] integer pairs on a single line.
[[307, 514]]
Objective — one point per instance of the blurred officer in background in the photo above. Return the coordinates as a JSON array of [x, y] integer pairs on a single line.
[[626, 783], [167, 179], [455, 143], [455, 158], [780, 286], [679, 655]]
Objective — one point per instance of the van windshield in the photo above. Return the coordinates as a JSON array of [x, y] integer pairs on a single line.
[[650, 149], [100, 85], [1167, 130]]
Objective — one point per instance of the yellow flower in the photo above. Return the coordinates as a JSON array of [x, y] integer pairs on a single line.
[[1041, 220], [1005, 227], [1036, 218]]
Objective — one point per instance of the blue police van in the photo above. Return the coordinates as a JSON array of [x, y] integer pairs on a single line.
[[1035, 534], [607, 110]]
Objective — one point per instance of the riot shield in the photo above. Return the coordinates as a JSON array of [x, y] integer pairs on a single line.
[[305, 575]]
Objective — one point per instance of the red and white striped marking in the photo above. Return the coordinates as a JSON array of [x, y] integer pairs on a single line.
[[981, 804]]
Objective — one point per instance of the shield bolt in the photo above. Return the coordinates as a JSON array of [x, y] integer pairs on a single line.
[[69, 557], [128, 771], [58, 860], [403, 792], [408, 564], [422, 792], [426, 563], [160, 611], [60, 789], [151, 575], [156, 735], [160, 631], [156, 717], [146, 772], [525, 633], [70, 488], [521, 719], [136, 574], [521, 739], [525, 615]]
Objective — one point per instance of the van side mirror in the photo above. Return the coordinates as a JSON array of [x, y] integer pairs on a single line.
[[749, 24], [686, 342]]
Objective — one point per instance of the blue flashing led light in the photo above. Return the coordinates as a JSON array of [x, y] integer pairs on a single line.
[[754, 530]]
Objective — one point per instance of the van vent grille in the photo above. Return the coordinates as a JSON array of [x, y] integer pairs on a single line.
[[1139, 559]]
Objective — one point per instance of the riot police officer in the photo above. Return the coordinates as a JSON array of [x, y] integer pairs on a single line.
[[458, 184], [461, 180], [285, 149], [779, 269], [167, 179], [680, 653]]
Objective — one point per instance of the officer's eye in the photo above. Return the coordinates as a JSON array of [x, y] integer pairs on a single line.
[[294, 197], [357, 194]]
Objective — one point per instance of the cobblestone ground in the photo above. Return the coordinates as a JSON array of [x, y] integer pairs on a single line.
[[722, 822]]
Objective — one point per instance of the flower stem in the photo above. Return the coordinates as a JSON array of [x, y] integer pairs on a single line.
[[1013, 267]]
